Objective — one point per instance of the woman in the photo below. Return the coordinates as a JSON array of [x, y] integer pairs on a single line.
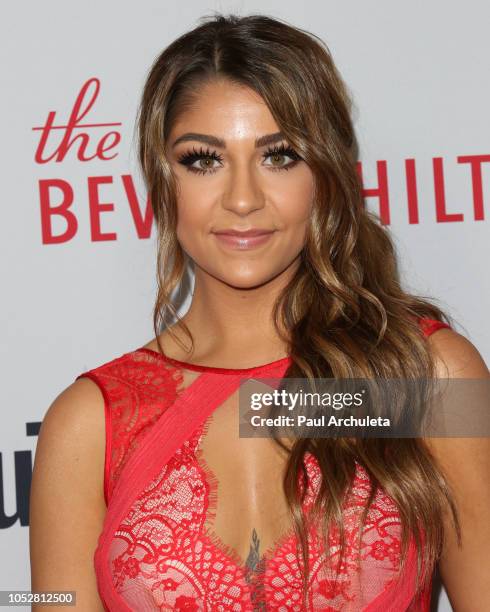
[[248, 150]]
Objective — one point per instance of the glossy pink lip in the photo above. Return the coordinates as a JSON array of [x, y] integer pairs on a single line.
[[243, 240], [244, 233]]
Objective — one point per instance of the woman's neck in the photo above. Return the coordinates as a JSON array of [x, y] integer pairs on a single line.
[[230, 325]]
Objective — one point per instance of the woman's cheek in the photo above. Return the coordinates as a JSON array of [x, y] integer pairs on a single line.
[[192, 225]]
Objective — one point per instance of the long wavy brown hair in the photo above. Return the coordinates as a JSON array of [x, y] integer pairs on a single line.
[[345, 311]]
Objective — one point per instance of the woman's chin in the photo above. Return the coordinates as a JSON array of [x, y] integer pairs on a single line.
[[251, 279], [246, 274]]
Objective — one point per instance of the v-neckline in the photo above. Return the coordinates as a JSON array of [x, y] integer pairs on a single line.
[[208, 532]]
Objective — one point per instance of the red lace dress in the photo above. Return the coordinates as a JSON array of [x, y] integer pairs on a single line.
[[155, 551]]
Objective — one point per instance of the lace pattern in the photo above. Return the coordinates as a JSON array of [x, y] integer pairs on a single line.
[[163, 557], [161, 548]]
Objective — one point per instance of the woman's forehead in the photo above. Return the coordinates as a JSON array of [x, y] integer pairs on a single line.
[[226, 111]]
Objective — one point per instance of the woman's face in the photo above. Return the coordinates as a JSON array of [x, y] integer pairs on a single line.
[[235, 173]]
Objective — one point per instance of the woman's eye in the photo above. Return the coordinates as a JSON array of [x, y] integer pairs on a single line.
[[278, 160], [200, 162], [278, 155], [203, 162]]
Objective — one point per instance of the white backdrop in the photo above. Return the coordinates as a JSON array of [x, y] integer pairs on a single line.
[[419, 75]]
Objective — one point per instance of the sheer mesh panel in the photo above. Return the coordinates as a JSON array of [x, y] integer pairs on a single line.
[[165, 553]]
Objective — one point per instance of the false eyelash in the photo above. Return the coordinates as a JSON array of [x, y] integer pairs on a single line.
[[187, 159], [282, 150], [190, 157]]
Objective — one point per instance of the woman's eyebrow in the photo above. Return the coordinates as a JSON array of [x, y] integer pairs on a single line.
[[219, 142]]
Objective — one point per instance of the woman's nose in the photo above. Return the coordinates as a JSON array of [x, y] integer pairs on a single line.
[[243, 194]]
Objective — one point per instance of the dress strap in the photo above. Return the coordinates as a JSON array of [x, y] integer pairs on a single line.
[[429, 326]]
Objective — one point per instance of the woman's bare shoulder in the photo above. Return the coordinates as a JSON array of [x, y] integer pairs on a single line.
[[456, 356], [73, 432], [79, 407], [67, 506], [465, 462]]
